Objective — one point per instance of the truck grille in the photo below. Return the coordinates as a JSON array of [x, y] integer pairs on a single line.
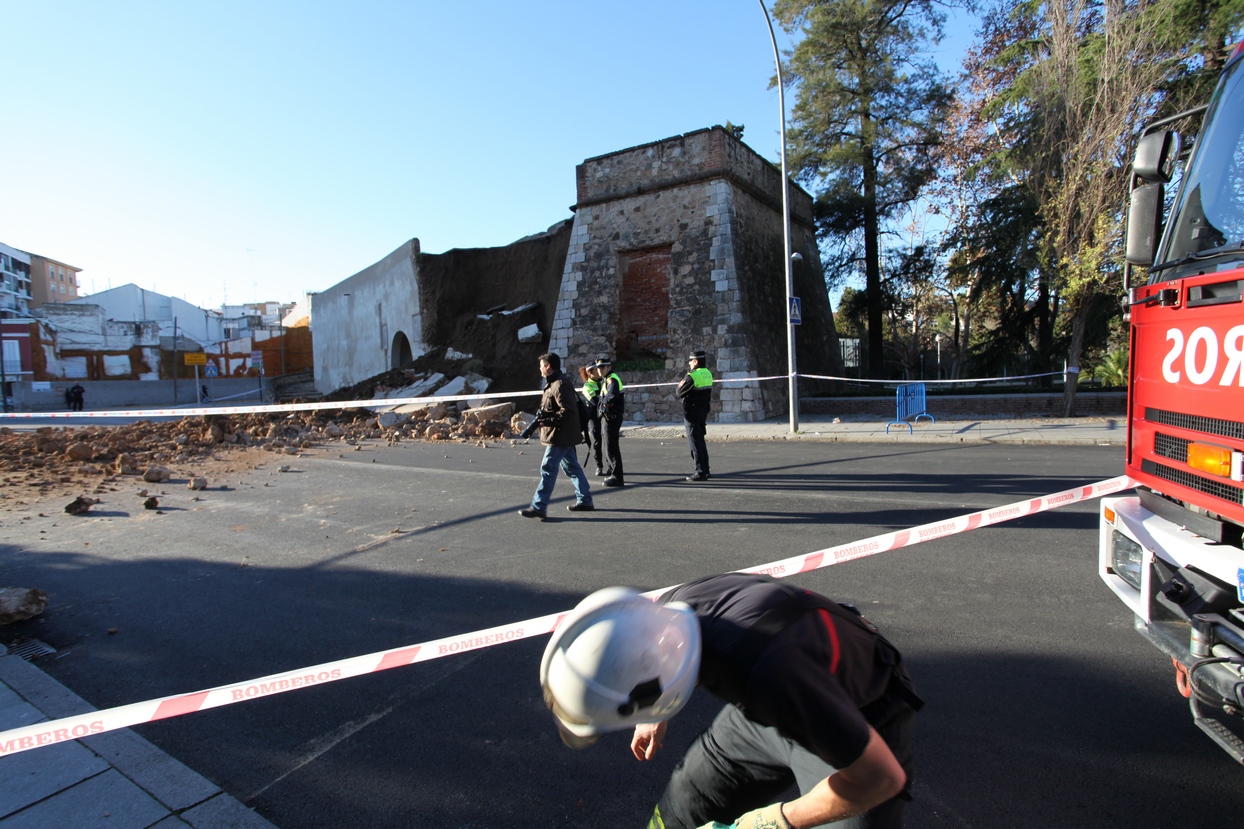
[[1197, 423], [1169, 446], [1209, 486]]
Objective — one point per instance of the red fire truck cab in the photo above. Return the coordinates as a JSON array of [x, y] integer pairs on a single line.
[[1172, 553]]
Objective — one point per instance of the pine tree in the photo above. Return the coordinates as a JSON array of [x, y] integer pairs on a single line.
[[868, 112]]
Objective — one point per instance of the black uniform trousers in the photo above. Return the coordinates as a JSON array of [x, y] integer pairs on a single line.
[[696, 429], [738, 765], [611, 432], [593, 433]]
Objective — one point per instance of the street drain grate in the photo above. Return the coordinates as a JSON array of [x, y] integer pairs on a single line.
[[30, 649]]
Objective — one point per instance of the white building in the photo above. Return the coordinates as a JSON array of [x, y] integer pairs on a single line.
[[14, 281], [130, 303]]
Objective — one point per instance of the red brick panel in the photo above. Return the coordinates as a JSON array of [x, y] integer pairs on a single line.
[[644, 299]]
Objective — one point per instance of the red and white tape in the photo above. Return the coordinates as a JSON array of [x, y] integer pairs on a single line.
[[265, 408], [110, 719]]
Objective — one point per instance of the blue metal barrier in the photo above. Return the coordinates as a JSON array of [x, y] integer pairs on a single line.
[[909, 403]]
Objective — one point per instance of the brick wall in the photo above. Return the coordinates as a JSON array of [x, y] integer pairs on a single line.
[[658, 405], [644, 304]]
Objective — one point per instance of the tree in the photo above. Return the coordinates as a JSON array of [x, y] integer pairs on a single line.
[[868, 112], [1082, 77]]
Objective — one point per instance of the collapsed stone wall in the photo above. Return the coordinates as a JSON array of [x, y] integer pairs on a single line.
[[475, 301]]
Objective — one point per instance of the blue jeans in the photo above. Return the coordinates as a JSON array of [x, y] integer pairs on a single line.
[[566, 458]]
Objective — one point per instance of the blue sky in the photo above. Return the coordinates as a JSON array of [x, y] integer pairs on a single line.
[[247, 151]]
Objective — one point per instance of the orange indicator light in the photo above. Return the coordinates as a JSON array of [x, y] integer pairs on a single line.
[[1216, 460]]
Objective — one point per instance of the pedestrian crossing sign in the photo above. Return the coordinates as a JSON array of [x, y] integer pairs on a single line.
[[796, 312]]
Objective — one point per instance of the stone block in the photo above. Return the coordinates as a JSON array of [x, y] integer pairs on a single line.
[[501, 412], [168, 780], [32, 776], [224, 811]]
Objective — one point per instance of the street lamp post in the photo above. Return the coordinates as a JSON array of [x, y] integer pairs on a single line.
[[788, 261]]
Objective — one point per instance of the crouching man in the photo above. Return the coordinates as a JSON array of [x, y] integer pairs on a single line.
[[814, 695]]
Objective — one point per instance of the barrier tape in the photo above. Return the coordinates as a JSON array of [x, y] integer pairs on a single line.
[[943, 382], [183, 411], [98, 722]]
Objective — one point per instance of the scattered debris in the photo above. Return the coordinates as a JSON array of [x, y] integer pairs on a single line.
[[197, 483], [151, 503], [81, 505], [20, 603], [56, 460], [157, 474]]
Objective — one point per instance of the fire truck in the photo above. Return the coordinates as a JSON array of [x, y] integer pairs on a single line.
[[1172, 552]]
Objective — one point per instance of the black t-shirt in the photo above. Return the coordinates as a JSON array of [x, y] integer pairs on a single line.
[[809, 680]]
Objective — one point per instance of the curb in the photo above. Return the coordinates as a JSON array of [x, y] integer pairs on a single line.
[[115, 777]]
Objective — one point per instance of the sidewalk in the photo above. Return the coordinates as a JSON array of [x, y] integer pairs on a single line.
[[116, 779], [120, 780], [1074, 431]]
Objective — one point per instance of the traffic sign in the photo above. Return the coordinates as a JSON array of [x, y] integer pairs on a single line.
[[196, 358], [796, 312], [211, 371]]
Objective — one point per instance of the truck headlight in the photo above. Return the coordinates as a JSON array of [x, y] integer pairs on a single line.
[[1128, 558]]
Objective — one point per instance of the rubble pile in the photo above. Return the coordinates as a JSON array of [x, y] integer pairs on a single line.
[[58, 458]]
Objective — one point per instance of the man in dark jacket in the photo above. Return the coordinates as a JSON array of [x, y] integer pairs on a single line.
[[695, 392], [560, 433], [816, 697]]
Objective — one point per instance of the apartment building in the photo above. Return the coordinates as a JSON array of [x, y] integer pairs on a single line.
[[14, 282], [52, 281]]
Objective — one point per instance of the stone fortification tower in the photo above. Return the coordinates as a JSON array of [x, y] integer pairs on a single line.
[[677, 246]]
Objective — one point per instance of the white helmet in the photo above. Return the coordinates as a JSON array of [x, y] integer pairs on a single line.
[[618, 660]]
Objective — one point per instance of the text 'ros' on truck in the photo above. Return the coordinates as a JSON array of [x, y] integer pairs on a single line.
[[1173, 552]]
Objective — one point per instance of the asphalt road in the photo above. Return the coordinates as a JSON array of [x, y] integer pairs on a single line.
[[1044, 708]]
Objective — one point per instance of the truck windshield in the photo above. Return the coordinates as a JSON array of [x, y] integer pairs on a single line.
[[1209, 214]]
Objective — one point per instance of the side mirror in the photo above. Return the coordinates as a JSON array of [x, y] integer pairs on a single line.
[[1144, 212], [1155, 156]]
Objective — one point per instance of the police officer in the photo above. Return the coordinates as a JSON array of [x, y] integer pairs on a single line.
[[612, 408], [591, 421], [696, 393], [815, 695]]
